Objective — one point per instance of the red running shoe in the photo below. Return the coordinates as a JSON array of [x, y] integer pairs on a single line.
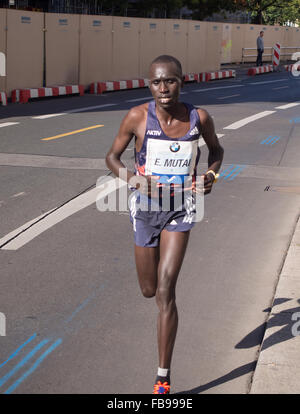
[[161, 387]]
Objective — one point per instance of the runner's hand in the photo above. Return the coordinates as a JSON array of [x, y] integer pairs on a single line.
[[208, 182], [148, 185], [204, 186]]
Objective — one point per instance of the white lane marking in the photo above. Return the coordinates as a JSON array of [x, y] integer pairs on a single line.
[[287, 106], [18, 194], [201, 141], [230, 96], [219, 87], [25, 226], [48, 116], [246, 121], [5, 124], [140, 99], [35, 227], [281, 87], [71, 111], [260, 83]]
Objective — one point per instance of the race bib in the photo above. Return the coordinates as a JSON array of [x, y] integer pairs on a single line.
[[171, 160]]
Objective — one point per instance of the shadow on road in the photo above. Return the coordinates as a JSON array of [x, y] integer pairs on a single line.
[[282, 318], [238, 372], [255, 338]]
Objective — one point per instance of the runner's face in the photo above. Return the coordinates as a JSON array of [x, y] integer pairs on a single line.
[[165, 82]]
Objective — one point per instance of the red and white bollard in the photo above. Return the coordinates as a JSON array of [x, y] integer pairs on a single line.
[[276, 56]]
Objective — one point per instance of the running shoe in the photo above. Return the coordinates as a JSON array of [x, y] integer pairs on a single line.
[[161, 387]]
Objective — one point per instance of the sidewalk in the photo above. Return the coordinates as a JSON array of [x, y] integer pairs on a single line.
[[278, 365]]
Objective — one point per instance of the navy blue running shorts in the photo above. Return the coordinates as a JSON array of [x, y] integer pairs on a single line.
[[147, 225]]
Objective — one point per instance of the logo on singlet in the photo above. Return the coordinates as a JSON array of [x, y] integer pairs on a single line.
[[194, 131], [153, 132], [175, 147]]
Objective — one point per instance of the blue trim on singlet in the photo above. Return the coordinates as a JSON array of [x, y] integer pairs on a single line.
[[153, 126]]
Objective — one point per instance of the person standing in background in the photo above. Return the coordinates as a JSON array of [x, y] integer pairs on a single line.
[[260, 48]]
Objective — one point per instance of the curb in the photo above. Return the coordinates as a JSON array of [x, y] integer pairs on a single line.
[[192, 77], [3, 98], [259, 70], [278, 366], [109, 86], [23, 95], [289, 68], [100, 87], [208, 76]]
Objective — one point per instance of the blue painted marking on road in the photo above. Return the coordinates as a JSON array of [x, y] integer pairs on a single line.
[[18, 350], [232, 171], [34, 366], [228, 172], [225, 171], [23, 362], [84, 303], [38, 347], [270, 140], [267, 139], [240, 170], [276, 140], [295, 120]]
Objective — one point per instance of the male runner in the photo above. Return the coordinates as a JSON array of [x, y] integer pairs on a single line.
[[163, 128]]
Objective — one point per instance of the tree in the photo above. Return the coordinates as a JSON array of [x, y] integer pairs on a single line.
[[158, 8], [281, 14], [267, 11], [205, 8]]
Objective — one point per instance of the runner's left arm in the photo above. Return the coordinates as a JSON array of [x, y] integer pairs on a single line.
[[216, 151]]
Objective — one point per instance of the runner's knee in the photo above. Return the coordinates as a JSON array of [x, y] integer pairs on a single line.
[[148, 291], [165, 293]]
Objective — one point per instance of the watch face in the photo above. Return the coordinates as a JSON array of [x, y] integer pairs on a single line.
[[175, 147]]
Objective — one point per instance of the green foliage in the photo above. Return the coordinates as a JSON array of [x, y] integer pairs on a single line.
[[282, 14], [205, 8], [270, 11], [262, 11]]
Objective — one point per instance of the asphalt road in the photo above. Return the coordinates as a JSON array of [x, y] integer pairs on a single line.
[[76, 321]]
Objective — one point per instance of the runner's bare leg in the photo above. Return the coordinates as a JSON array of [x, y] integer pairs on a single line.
[[147, 259], [172, 250], [158, 269]]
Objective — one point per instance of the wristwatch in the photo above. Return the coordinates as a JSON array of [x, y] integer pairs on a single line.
[[216, 175]]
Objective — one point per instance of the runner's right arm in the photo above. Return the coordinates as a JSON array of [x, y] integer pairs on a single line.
[[132, 125], [121, 142]]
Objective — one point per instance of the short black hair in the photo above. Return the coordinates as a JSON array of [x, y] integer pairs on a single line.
[[168, 59]]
